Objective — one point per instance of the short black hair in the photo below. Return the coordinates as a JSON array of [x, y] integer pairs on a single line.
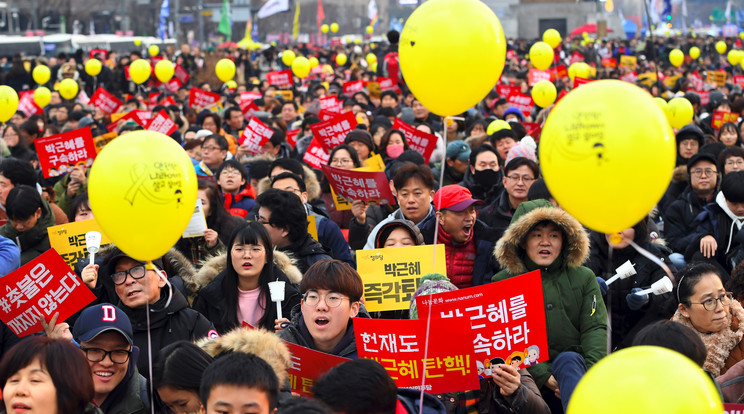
[[520, 161], [77, 202], [240, 370], [733, 187], [675, 336], [393, 37], [235, 164], [293, 103], [277, 137], [18, 172], [539, 191], [287, 212], [228, 112], [501, 134], [30, 127], [689, 276], [359, 386], [481, 149], [22, 202], [409, 171], [219, 140], [391, 94], [299, 405], [288, 164], [300, 184]]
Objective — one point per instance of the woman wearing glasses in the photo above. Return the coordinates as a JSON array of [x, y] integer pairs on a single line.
[[705, 306], [239, 294], [331, 293], [345, 157]]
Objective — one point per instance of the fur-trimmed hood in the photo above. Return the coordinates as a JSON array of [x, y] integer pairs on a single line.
[[259, 342], [509, 252], [311, 183], [216, 264], [178, 264]]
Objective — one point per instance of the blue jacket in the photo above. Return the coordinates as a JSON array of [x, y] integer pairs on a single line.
[[10, 256], [330, 236]]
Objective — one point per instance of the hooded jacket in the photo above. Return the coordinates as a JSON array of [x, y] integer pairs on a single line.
[[428, 222], [35, 240], [498, 215], [131, 396], [575, 313], [717, 220], [679, 217], [242, 203]]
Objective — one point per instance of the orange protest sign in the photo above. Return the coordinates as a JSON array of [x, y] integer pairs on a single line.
[[716, 77]]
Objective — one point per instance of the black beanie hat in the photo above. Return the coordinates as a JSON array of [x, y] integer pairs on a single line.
[[360, 136], [700, 156]]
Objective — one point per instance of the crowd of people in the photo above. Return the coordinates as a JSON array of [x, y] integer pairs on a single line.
[[207, 335]]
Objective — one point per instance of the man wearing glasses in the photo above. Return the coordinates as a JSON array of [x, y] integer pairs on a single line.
[[105, 336], [519, 174], [214, 152]]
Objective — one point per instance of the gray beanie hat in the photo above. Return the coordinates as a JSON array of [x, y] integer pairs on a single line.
[[430, 284]]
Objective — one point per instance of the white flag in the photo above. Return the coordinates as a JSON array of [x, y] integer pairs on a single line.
[[372, 10], [273, 7]]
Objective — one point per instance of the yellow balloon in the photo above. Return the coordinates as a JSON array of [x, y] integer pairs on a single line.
[[153, 50], [68, 89], [164, 70], [544, 93], [8, 103], [541, 55], [734, 57], [341, 59], [371, 58], [231, 84], [225, 69], [464, 32], [288, 57], [370, 29], [42, 96], [676, 57], [721, 47], [301, 67], [741, 35], [675, 385], [662, 104], [497, 125], [140, 71], [334, 27], [552, 37], [587, 146], [93, 67], [580, 69], [694, 52], [324, 28], [137, 42], [313, 62], [585, 35], [41, 74], [373, 67], [357, 41], [327, 69], [142, 189], [680, 112]]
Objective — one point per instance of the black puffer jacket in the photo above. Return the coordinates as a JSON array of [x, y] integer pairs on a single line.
[[679, 230]]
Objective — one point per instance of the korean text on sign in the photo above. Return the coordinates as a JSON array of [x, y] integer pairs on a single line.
[[420, 141], [105, 101], [69, 239], [39, 289], [721, 117], [27, 104], [59, 153], [506, 317], [307, 366], [255, 135], [391, 276], [522, 102], [199, 98], [316, 156], [333, 132], [280, 79], [398, 345], [369, 186], [162, 123]]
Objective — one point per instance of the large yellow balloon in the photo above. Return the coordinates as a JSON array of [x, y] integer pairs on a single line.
[[694, 52], [140, 71], [544, 93], [680, 112], [674, 385], [153, 50], [8, 103], [68, 89], [552, 37], [721, 47], [590, 153], [734, 57], [324, 28], [341, 59], [142, 190], [464, 32], [676, 57], [334, 27], [225, 69], [371, 58], [288, 57], [41, 74], [313, 62], [93, 67], [42, 96], [301, 67], [541, 55], [164, 70]]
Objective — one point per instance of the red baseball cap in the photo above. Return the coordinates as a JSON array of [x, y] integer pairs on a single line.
[[454, 197]]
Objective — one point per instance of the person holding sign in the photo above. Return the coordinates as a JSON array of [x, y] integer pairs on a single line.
[[547, 238], [29, 216]]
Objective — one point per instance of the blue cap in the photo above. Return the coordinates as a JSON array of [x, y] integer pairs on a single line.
[[458, 150], [514, 111], [101, 318]]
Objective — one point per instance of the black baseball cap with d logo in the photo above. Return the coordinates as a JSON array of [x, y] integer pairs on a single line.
[[97, 319]]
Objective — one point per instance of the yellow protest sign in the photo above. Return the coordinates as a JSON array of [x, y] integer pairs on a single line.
[[718, 78], [629, 62], [391, 276], [671, 80], [312, 227], [374, 89], [117, 116], [69, 239], [101, 140], [215, 108], [647, 78], [339, 202], [288, 95]]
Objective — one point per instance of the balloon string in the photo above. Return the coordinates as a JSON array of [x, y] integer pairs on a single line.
[[653, 258], [609, 301], [149, 345]]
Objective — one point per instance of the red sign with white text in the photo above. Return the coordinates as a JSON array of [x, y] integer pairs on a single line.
[[558, 72], [609, 62], [739, 80], [704, 96], [506, 317], [39, 289], [353, 87], [173, 85], [400, 346], [162, 123], [307, 366], [333, 132], [255, 135], [387, 84], [506, 90], [369, 186], [316, 156], [720, 118], [27, 105], [331, 104], [282, 79], [138, 116], [59, 153], [246, 99], [199, 98], [522, 102], [292, 137], [537, 75], [181, 74], [578, 81], [422, 142], [105, 101], [576, 57]]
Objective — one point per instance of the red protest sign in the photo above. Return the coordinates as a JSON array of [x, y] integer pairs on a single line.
[[388, 84], [292, 137], [255, 135], [180, 73], [537, 75], [559, 72], [162, 123], [576, 57], [331, 104], [353, 87], [506, 317], [578, 81], [307, 366], [173, 85], [333, 131], [506, 90], [199, 98], [533, 129], [59, 152], [369, 186], [704, 96], [398, 345], [27, 105], [630, 77], [561, 95], [282, 79], [721, 117], [246, 98], [316, 156], [39, 289], [522, 102], [697, 82], [105, 101], [733, 408], [422, 142], [324, 115], [138, 116], [609, 62], [739, 80]]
